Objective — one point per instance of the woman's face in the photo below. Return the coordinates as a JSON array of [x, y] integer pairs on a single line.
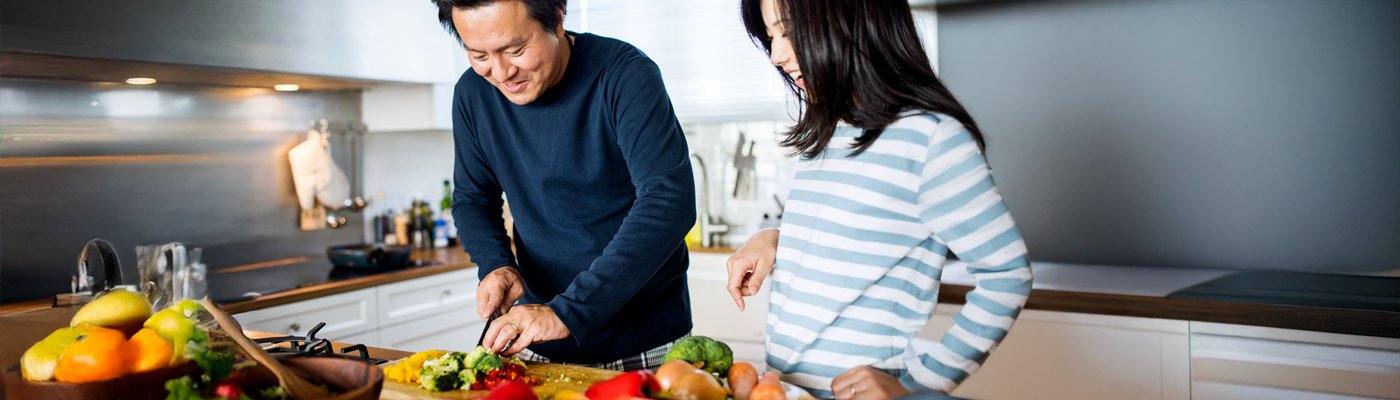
[[781, 53]]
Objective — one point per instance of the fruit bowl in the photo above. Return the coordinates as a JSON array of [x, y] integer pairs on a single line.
[[143, 385], [352, 379]]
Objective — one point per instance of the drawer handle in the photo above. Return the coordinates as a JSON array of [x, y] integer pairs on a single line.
[[295, 327], [446, 292]]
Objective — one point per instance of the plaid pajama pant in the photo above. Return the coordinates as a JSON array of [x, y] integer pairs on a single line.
[[650, 359]]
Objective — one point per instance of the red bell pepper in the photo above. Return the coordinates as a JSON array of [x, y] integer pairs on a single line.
[[511, 390], [628, 385]]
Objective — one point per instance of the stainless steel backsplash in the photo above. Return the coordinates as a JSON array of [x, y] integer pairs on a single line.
[[201, 165]]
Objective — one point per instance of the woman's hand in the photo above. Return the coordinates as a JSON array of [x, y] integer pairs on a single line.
[[864, 382], [751, 264]]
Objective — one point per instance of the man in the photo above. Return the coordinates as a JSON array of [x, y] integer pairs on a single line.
[[576, 129]]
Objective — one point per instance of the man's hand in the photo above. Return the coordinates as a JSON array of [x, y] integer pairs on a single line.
[[865, 382], [523, 326], [498, 291]]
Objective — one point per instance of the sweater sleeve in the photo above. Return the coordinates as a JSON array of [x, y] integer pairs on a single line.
[[476, 198], [961, 206], [658, 164]]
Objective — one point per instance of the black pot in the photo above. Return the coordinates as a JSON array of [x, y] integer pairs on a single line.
[[368, 255]]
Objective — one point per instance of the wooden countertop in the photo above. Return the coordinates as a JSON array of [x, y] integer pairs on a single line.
[[1346, 304], [1311, 318], [449, 259], [445, 260]]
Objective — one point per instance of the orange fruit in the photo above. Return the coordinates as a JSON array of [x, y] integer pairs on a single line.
[[97, 356], [148, 351]]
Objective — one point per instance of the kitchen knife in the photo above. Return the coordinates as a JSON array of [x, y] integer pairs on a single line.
[[494, 315]]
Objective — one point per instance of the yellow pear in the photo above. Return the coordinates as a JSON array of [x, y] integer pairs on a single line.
[[37, 363], [122, 310]]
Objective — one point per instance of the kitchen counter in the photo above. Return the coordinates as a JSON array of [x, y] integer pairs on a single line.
[[285, 281], [326, 280], [1355, 305], [1368, 306]]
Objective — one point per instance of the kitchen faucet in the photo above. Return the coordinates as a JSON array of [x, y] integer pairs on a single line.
[[84, 285], [712, 227]]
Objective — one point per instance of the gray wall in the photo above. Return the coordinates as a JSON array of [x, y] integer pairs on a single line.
[[201, 165], [1238, 134]]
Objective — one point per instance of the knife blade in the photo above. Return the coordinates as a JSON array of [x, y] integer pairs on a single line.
[[492, 318]]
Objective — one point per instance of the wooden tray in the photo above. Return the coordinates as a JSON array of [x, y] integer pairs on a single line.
[[580, 378]]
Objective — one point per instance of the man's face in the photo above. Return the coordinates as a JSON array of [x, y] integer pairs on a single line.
[[511, 50]]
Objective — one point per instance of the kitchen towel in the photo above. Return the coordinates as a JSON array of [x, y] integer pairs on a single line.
[[315, 174], [306, 168]]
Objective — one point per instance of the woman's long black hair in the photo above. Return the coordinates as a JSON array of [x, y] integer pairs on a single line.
[[861, 63]]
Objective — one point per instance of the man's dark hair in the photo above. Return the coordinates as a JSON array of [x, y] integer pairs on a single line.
[[549, 13]]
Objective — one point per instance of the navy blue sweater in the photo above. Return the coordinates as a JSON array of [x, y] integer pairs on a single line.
[[598, 178]]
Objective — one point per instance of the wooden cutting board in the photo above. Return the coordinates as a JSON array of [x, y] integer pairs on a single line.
[[579, 378]]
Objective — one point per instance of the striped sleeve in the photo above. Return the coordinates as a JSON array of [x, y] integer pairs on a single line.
[[961, 206]]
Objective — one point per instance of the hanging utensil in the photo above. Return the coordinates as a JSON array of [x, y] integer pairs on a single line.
[[744, 167]]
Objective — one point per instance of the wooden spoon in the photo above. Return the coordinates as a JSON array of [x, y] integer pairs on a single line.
[[296, 386]]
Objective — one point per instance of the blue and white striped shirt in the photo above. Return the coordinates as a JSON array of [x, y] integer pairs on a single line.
[[861, 251]]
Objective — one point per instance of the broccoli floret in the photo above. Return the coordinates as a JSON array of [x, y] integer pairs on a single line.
[[481, 360], [711, 355], [442, 373], [687, 349], [467, 377], [718, 357]]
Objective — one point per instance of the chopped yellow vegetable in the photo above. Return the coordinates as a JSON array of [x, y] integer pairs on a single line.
[[407, 370]]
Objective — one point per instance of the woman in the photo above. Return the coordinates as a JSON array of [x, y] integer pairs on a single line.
[[891, 177]]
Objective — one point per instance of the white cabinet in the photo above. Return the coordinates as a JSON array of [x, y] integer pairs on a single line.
[[449, 295], [458, 333], [425, 314], [715, 315], [370, 338], [345, 314], [417, 107], [431, 312], [409, 107], [1248, 362], [1055, 355]]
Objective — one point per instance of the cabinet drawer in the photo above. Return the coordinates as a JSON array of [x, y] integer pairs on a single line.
[[458, 333], [345, 314], [1232, 361], [451, 295]]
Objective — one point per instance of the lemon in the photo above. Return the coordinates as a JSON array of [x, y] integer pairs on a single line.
[[37, 363], [118, 309]]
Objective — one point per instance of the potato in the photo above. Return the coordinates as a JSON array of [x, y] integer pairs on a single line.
[[769, 388], [671, 371], [698, 385], [742, 378]]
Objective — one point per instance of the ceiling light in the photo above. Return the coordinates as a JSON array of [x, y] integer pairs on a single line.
[[286, 87], [141, 81]]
